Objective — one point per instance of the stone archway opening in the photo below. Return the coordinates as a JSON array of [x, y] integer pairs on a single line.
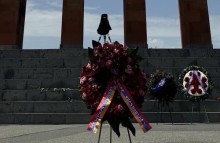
[[194, 24], [163, 27], [214, 17], [92, 14], [43, 24]]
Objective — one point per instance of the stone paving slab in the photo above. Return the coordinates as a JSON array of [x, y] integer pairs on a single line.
[[161, 133]]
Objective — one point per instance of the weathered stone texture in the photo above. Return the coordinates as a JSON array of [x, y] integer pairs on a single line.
[[12, 13], [135, 32], [194, 22], [72, 23]]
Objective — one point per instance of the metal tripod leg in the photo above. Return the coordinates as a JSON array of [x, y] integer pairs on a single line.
[[207, 118], [105, 39], [110, 134], [158, 110], [192, 112], [199, 111], [109, 39], [155, 102], [100, 132], [129, 136], [161, 109], [170, 113], [99, 38]]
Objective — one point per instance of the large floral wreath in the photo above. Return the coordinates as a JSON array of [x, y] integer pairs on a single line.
[[162, 86], [195, 83], [113, 62]]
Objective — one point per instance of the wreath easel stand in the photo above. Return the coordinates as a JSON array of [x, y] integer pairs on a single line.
[[100, 132], [196, 84], [162, 88], [160, 106], [112, 65], [199, 110]]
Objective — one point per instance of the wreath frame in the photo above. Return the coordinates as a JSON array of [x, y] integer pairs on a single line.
[[168, 91], [103, 68], [185, 93]]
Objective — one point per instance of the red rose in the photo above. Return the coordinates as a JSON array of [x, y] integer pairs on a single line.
[[129, 70], [83, 79]]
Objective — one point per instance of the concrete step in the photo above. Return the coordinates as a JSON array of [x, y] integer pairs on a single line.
[[83, 118], [182, 117], [181, 52], [214, 71], [180, 62], [76, 62], [75, 106], [22, 84], [43, 53], [39, 73], [73, 52], [37, 95], [78, 106], [59, 73], [182, 106], [179, 96]]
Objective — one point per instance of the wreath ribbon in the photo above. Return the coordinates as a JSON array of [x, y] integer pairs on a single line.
[[202, 85], [96, 119], [190, 82], [160, 84]]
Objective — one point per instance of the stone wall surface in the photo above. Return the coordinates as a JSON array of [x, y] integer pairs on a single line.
[[24, 72]]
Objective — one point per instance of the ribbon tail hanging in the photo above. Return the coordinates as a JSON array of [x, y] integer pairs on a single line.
[[103, 106], [133, 107]]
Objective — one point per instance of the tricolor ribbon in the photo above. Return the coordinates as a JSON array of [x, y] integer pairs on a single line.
[[96, 119], [126, 96]]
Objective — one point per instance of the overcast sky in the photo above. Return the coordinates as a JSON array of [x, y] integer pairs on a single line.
[[44, 17]]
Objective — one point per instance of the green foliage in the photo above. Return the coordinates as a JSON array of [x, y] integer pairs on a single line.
[[91, 55], [133, 53]]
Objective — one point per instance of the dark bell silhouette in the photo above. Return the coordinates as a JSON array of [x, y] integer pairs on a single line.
[[104, 27]]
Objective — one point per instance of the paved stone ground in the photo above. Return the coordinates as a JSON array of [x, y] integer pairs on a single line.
[[161, 133]]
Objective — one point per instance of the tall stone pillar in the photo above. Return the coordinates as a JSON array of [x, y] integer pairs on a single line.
[[135, 31], [194, 22], [72, 24], [12, 18]]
